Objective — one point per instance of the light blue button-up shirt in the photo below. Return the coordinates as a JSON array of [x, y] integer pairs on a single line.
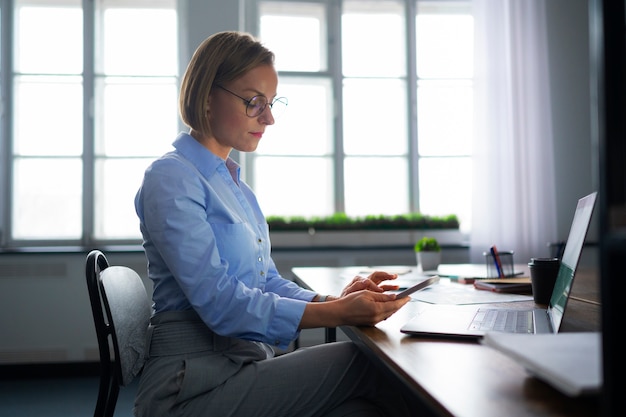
[[208, 248]]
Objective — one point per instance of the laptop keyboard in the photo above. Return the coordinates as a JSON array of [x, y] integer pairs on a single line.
[[509, 321]]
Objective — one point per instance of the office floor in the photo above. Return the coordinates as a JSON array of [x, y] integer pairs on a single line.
[[58, 397]]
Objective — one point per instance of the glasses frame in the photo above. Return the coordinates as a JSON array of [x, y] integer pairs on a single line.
[[282, 100]]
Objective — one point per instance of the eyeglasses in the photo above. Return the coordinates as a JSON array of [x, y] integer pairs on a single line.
[[257, 104]]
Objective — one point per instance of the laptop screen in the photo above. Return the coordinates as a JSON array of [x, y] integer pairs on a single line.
[[571, 256]]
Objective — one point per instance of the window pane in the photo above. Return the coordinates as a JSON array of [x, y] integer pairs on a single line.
[[295, 186], [139, 116], [136, 111], [139, 37], [445, 112], [49, 38], [47, 198], [375, 117], [446, 188], [373, 38], [294, 133], [445, 45], [117, 183], [304, 52], [376, 186], [48, 116]]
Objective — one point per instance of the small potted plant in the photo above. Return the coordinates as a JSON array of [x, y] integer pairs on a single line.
[[428, 253]]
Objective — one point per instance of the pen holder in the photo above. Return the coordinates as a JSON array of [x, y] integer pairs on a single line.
[[506, 259]]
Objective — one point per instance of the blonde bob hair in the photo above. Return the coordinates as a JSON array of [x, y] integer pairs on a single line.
[[220, 58]]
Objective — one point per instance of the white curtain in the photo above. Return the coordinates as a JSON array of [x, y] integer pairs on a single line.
[[514, 204]]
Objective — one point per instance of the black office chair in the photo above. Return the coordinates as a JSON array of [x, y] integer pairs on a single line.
[[121, 312]]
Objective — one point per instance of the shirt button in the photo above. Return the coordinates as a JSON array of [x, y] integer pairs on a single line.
[[262, 273], [260, 259]]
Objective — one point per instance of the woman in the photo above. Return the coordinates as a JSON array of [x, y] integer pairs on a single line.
[[220, 304]]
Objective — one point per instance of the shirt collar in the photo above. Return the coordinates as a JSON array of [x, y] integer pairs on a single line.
[[203, 159]]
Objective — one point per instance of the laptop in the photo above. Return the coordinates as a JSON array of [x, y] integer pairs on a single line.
[[569, 361], [475, 321]]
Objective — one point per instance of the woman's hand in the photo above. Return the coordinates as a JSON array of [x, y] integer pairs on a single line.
[[362, 303], [371, 283], [367, 308], [358, 308]]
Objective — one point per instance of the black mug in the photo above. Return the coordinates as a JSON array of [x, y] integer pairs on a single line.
[[543, 274]]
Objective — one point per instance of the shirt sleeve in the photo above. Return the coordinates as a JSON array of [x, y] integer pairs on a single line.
[[286, 288]]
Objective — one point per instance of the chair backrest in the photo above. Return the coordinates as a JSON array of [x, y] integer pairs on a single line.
[[121, 311]]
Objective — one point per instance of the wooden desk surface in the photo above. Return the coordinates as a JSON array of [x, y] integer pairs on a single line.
[[464, 378]]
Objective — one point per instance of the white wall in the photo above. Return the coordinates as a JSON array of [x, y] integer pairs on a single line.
[[45, 315], [568, 44]]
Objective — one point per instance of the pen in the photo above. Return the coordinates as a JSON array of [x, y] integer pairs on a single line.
[[496, 259]]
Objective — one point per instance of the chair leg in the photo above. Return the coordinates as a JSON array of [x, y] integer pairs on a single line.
[[108, 392], [112, 399]]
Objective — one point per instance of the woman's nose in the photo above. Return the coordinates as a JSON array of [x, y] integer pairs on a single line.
[[266, 116]]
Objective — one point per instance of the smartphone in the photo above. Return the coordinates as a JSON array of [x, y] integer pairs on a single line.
[[419, 286]]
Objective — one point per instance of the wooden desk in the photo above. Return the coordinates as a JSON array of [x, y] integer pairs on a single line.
[[461, 378]]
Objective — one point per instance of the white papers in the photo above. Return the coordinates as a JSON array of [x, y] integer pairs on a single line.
[[570, 362], [447, 292]]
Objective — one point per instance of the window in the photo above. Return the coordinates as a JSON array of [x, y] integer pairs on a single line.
[[94, 93], [379, 119], [380, 108]]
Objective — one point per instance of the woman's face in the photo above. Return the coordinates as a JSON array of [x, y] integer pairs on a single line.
[[230, 125]]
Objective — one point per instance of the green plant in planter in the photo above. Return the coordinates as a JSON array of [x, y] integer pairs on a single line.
[[340, 221], [427, 244], [428, 253]]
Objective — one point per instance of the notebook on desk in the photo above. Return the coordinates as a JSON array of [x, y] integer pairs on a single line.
[[475, 322]]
